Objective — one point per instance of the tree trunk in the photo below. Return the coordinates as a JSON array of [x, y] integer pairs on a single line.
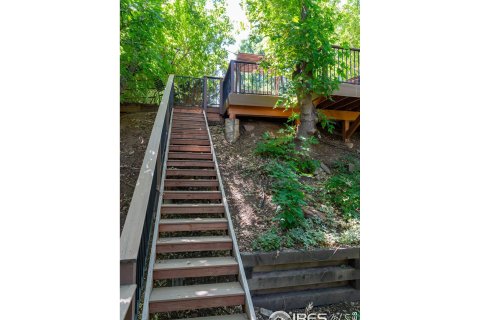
[[308, 117]]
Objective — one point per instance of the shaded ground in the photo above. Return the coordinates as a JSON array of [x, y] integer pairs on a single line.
[[135, 129], [247, 190]]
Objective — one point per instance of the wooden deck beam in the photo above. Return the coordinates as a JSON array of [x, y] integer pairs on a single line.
[[352, 128], [341, 114], [259, 111]]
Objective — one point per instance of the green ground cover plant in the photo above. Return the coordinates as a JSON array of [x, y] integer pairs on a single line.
[[291, 169], [343, 188]]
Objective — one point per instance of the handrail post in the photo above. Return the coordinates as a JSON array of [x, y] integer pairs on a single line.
[[222, 103], [232, 77], [205, 97]]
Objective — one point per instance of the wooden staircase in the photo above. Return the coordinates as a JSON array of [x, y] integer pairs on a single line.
[[195, 263]]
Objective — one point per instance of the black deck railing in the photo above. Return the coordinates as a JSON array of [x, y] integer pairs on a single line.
[[250, 78], [346, 68], [198, 92]]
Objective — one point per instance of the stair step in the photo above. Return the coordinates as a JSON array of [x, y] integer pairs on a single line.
[[191, 110], [195, 267], [192, 208], [169, 299], [192, 195], [188, 125], [240, 316], [189, 117], [192, 172], [197, 224], [190, 183], [191, 133], [196, 142], [190, 148], [199, 136], [183, 163], [189, 155], [189, 244], [196, 128], [188, 120]]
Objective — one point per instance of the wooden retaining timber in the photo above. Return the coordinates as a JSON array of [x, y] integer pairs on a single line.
[[192, 186], [292, 279]]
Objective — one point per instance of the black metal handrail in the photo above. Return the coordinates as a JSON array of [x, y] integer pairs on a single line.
[[137, 231]]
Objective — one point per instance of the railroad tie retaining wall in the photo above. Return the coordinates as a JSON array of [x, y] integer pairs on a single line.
[[292, 279]]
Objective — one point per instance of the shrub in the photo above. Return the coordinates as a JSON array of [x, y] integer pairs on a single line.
[[269, 241], [287, 163], [308, 236], [287, 194], [276, 146], [343, 189], [350, 236]]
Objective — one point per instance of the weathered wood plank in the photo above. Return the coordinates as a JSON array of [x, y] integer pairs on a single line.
[[189, 136], [297, 300], [192, 195], [252, 259], [192, 208], [187, 110], [196, 142], [190, 148], [127, 301], [191, 172], [190, 183], [189, 155], [291, 278], [133, 228], [195, 267], [187, 244], [183, 163], [197, 224]]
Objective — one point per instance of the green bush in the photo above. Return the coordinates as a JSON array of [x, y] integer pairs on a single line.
[[287, 194], [287, 163], [276, 146], [350, 236], [282, 147], [269, 241], [308, 237], [343, 188]]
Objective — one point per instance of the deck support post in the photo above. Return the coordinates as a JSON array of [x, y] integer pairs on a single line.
[[351, 130], [232, 129], [345, 127]]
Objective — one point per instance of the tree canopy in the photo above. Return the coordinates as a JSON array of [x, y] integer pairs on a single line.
[[160, 37], [348, 28], [298, 35]]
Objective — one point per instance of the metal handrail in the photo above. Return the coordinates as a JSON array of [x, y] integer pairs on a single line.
[[137, 231]]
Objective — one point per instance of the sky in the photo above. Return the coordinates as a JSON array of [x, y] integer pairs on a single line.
[[236, 15]]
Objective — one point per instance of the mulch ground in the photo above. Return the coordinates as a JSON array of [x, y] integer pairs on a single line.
[[135, 129], [246, 189]]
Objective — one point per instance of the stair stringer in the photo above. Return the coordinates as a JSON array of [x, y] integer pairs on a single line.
[[236, 253]]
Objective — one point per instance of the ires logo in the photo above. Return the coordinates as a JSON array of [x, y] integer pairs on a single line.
[[282, 315]]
